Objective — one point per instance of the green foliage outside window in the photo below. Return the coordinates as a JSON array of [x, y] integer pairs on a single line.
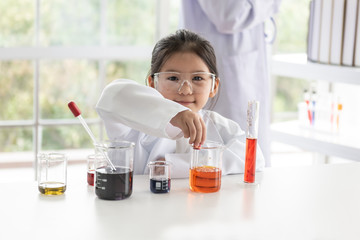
[[16, 91], [17, 23], [127, 23]]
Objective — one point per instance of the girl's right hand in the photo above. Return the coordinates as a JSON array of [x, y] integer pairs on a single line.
[[192, 125]]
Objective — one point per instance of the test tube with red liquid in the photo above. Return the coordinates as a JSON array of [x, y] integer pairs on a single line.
[[251, 141]]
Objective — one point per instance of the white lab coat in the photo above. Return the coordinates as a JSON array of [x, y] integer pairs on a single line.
[[140, 114], [235, 30]]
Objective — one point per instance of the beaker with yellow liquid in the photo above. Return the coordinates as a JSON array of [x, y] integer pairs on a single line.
[[52, 170]]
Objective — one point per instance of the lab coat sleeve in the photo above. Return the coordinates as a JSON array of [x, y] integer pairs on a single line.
[[233, 16], [138, 107]]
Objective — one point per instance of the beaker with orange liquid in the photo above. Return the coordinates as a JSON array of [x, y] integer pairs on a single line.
[[205, 167]]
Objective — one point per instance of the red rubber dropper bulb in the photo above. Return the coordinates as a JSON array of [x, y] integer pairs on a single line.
[[74, 108]]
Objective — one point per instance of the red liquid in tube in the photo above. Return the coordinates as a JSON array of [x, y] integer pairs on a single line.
[[250, 160], [90, 177]]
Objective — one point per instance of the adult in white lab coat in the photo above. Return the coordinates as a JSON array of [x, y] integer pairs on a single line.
[[236, 31]]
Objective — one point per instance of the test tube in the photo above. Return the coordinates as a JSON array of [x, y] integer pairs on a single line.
[[339, 109], [313, 102], [307, 101], [251, 141]]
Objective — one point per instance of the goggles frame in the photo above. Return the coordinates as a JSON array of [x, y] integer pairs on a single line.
[[182, 81]]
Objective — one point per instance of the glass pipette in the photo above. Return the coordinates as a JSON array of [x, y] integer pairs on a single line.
[[77, 113]]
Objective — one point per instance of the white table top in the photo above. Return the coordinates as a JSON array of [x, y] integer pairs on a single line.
[[311, 202]]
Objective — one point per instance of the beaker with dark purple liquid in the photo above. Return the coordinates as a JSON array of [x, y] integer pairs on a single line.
[[115, 184]]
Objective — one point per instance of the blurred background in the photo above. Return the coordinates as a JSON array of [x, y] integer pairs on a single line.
[[55, 51]]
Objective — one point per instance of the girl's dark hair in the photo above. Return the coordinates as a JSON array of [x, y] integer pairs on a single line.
[[182, 41]]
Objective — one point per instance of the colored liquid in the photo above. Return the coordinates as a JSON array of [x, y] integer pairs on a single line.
[[250, 160], [160, 185], [52, 188], [205, 179], [113, 185], [90, 177]]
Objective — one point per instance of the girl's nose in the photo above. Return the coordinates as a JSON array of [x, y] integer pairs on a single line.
[[185, 88]]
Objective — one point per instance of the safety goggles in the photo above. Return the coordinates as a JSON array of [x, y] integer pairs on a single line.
[[190, 83]]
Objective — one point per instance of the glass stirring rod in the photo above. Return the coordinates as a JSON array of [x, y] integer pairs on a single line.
[[77, 113]]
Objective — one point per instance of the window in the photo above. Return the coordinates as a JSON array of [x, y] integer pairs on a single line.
[[292, 27], [52, 53]]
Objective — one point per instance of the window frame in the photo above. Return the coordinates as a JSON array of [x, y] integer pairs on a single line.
[[101, 54]]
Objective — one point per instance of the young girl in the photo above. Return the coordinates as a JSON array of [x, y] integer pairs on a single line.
[[167, 118]]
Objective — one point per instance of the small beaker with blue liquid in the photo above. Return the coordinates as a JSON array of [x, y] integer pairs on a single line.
[[159, 174]]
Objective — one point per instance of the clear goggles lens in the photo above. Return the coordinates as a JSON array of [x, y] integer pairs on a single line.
[[185, 83]]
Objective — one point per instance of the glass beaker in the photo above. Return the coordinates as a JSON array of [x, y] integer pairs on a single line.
[[205, 168], [159, 174], [251, 141], [52, 173], [114, 184]]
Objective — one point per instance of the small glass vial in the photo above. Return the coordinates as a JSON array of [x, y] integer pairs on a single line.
[[52, 173], [91, 169], [160, 180]]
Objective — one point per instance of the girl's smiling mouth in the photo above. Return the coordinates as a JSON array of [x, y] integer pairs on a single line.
[[185, 103]]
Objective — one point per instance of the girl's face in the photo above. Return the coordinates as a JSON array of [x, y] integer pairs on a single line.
[[188, 95]]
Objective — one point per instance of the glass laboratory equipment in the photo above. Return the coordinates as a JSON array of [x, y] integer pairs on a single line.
[[114, 169], [159, 174], [91, 168], [52, 170], [205, 167], [251, 141]]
